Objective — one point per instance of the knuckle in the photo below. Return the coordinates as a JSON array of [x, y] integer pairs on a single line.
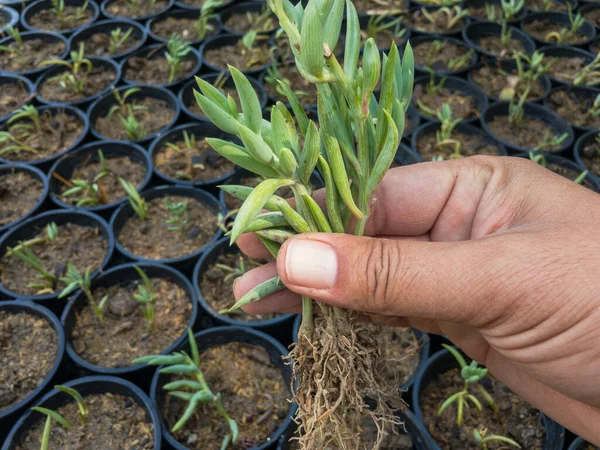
[[382, 263]]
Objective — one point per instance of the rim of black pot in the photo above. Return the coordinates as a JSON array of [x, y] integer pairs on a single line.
[[574, 5], [80, 217], [104, 384], [419, 33], [219, 41], [13, 17], [45, 4], [37, 173], [108, 99], [70, 110], [457, 85], [578, 444], [583, 140], [482, 3], [583, 90], [567, 52], [125, 211], [233, 334], [105, 25], [587, 8], [560, 18], [6, 77], [493, 29], [205, 130], [406, 156], [182, 5], [555, 433], [40, 311], [472, 63], [83, 102], [153, 270], [183, 13], [88, 153], [595, 42], [105, 3], [155, 52], [243, 7], [187, 92], [47, 35], [211, 254], [539, 112]]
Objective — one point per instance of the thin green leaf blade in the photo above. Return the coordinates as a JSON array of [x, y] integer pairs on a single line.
[[263, 290], [251, 108]]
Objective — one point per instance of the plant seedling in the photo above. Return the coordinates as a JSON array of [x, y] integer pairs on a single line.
[[257, 55], [274, 78], [207, 15], [47, 280], [58, 9], [516, 111], [540, 159], [443, 136], [550, 140], [74, 280], [74, 78], [437, 47], [17, 48], [567, 34], [88, 192], [117, 38], [378, 24], [529, 70], [51, 234], [178, 214], [261, 22], [146, 297], [453, 16], [510, 10], [14, 138], [483, 440], [594, 111], [134, 129], [192, 388], [590, 74], [135, 200], [505, 34], [189, 140], [177, 50]]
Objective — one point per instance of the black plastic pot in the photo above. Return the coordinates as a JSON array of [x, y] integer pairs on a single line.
[[101, 107], [41, 5], [186, 94], [477, 30], [415, 118], [200, 131], [17, 5], [157, 51], [416, 32], [561, 19], [422, 71], [85, 386], [8, 78], [443, 361], [579, 444], [556, 123], [66, 165], [587, 9], [181, 14], [183, 5], [10, 415], [77, 114], [221, 41], [34, 172], [140, 374], [105, 27], [565, 52], [243, 8], [405, 156], [215, 337], [481, 4], [586, 94], [28, 228], [184, 262], [584, 140], [594, 45], [574, 5], [46, 36], [84, 102], [10, 17], [364, 22], [105, 3], [456, 85]]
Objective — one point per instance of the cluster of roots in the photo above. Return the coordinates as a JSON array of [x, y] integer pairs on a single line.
[[336, 368]]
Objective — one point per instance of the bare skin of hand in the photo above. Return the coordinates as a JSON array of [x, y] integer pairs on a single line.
[[499, 254]]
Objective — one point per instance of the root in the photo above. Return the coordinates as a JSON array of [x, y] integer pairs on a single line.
[[336, 369]]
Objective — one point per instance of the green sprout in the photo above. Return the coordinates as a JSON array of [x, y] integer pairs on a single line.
[[550, 140], [581, 177], [126, 113], [233, 272], [175, 55], [594, 111], [189, 142], [134, 129], [193, 388], [17, 48], [483, 440], [529, 70], [146, 297], [436, 48], [453, 16], [29, 124], [47, 280], [257, 55], [566, 35], [510, 10], [51, 235], [505, 34], [262, 22], [50, 416], [58, 9], [378, 24], [443, 136], [589, 75], [440, 2], [89, 192], [74, 78], [117, 38], [207, 15], [516, 110], [178, 214], [74, 280], [538, 158], [135, 200], [274, 77]]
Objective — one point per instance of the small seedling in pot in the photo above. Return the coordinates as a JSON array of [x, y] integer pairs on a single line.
[[453, 16], [274, 78], [47, 280], [510, 10], [178, 214], [88, 192], [22, 124], [436, 48], [175, 55], [257, 55], [193, 162], [378, 24], [117, 38], [567, 34], [590, 74], [594, 111], [17, 48], [58, 9], [207, 15], [440, 2], [74, 280], [135, 200], [443, 136], [540, 159], [529, 70], [74, 77], [483, 440], [146, 297], [192, 388], [134, 129], [262, 22], [233, 273], [51, 234], [384, 7], [505, 34]]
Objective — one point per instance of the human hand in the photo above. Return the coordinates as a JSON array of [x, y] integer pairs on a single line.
[[498, 254]]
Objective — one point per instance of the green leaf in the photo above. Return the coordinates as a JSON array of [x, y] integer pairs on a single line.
[[267, 220], [182, 369], [457, 355], [256, 146], [371, 67], [217, 115], [54, 415], [212, 93], [333, 24], [243, 192], [310, 154], [386, 98], [240, 157], [183, 384], [408, 76], [187, 414], [287, 162], [448, 402], [391, 141], [475, 401], [295, 220], [352, 49], [276, 235], [331, 197], [249, 100], [317, 214], [193, 347], [264, 289], [311, 41], [159, 360], [187, 396], [272, 247], [297, 107]]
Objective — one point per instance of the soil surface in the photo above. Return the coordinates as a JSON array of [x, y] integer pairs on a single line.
[[152, 238], [109, 188], [481, 13], [440, 61], [155, 70], [116, 421], [305, 91], [218, 292], [417, 21], [591, 157], [28, 349], [530, 133], [29, 54], [539, 5], [19, 192], [239, 56], [384, 38], [127, 8], [12, 97], [95, 81], [493, 45], [566, 69], [540, 29], [378, 8], [574, 108], [47, 20], [155, 115], [196, 3], [493, 80], [462, 105], [254, 395], [249, 21], [182, 26], [592, 17], [401, 353], [58, 132], [469, 146], [124, 335], [98, 44], [201, 163]]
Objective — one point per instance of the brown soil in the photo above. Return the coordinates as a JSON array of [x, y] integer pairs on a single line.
[[492, 80], [123, 336], [125, 8], [32, 53], [184, 27], [98, 44], [493, 45], [298, 83], [59, 131], [110, 189], [116, 421], [540, 29], [241, 23], [152, 239], [401, 353], [538, 5], [46, 19], [591, 157], [84, 247], [515, 419], [95, 81], [574, 108], [19, 192], [29, 346], [470, 146], [384, 38], [238, 56], [218, 293], [155, 70], [462, 105], [440, 61], [156, 116], [592, 17], [254, 395], [417, 21], [530, 133], [378, 8], [200, 164], [12, 97], [566, 69]]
